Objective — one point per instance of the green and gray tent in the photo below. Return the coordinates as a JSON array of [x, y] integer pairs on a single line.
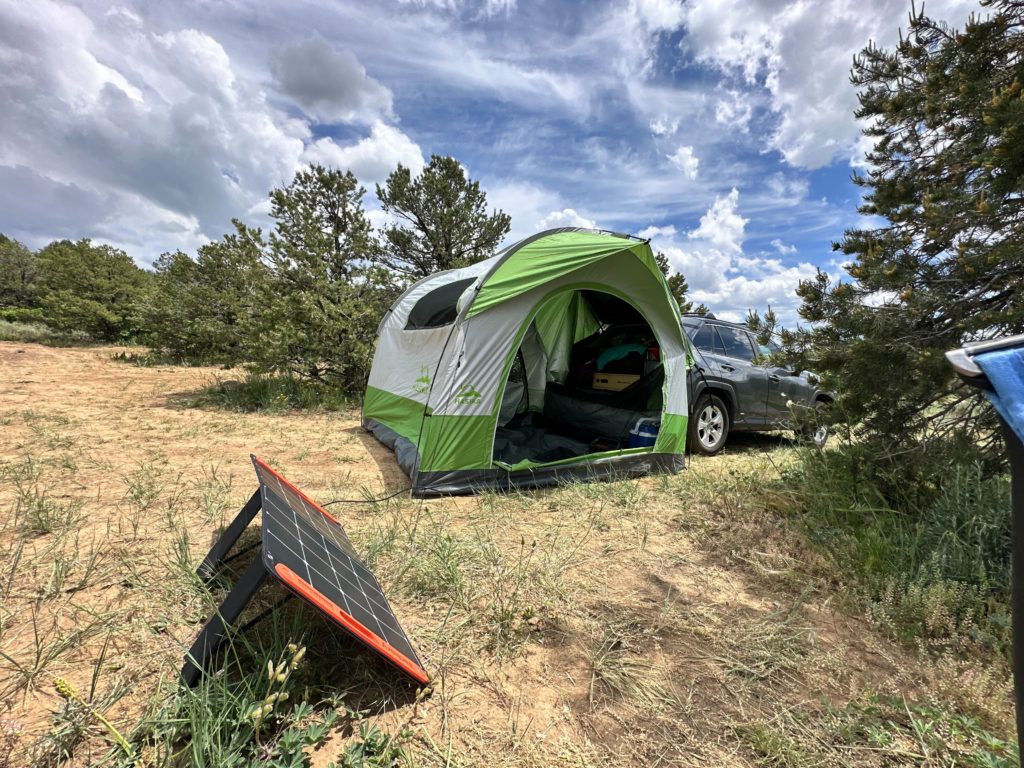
[[484, 377]]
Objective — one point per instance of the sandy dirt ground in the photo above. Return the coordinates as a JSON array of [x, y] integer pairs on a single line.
[[631, 623]]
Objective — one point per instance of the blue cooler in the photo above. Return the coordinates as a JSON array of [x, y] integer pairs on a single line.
[[644, 433]]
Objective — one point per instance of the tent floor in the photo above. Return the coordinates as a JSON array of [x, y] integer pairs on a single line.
[[528, 437]]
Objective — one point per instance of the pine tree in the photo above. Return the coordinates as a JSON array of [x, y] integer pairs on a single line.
[[203, 310], [945, 109], [319, 310], [443, 217], [92, 288], [678, 287], [19, 274]]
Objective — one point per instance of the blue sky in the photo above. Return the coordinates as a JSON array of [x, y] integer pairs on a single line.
[[721, 129]]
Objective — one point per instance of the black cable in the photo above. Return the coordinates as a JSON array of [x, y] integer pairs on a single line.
[[367, 501], [242, 551]]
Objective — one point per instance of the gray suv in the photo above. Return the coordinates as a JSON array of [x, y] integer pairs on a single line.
[[736, 386]]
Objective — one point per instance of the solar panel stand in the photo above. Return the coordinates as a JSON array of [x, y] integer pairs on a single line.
[[216, 629], [306, 549], [223, 545]]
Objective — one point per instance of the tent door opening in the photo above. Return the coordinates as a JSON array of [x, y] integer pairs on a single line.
[[587, 371]]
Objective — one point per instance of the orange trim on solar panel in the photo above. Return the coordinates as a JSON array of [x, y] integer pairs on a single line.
[[312, 503], [313, 595]]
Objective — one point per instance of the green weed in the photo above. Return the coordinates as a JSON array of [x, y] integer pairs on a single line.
[[919, 733], [150, 359], [374, 749], [774, 747], [38, 512], [618, 671], [47, 645], [262, 706], [77, 713], [931, 565], [259, 718]]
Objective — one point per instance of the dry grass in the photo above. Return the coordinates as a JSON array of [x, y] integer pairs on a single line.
[[666, 621]]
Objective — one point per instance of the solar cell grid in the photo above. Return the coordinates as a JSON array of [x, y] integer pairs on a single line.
[[306, 547]]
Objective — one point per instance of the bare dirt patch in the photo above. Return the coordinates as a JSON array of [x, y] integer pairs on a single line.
[[663, 621]]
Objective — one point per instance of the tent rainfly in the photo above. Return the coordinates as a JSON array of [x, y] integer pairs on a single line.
[[497, 375]]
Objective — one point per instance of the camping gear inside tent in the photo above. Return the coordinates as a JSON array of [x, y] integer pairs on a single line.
[[533, 367]]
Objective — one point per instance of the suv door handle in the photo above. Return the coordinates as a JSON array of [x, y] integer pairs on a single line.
[[774, 377], [727, 367]]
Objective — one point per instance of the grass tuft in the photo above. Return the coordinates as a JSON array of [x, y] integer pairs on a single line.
[[38, 511]]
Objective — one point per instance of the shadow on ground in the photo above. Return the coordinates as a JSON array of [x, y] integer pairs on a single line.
[[336, 665]]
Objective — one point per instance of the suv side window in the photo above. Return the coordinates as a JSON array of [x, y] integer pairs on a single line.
[[704, 339], [735, 343], [765, 350]]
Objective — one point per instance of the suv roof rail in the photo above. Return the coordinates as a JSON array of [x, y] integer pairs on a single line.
[[706, 315]]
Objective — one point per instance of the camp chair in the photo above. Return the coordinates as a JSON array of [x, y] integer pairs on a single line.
[[997, 367]]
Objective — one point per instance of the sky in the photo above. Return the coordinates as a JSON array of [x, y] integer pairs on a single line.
[[723, 130]]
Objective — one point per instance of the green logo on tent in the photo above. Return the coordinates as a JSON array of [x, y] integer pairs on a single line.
[[467, 395], [422, 385]]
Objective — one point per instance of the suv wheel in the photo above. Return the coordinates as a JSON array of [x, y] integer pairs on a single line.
[[709, 426]]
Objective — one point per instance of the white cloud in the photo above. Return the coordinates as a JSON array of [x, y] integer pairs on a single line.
[[482, 8], [782, 248], [859, 152], [158, 127], [800, 53], [496, 7], [371, 159], [527, 203], [880, 299], [110, 107], [786, 190], [658, 15], [662, 126], [684, 159], [331, 85], [718, 271], [660, 232], [532, 207], [734, 110], [566, 217], [722, 226]]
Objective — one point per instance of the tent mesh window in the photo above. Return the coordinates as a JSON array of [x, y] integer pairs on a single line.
[[439, 307]]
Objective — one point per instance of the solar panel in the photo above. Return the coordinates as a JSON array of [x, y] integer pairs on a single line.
[[307, 549]]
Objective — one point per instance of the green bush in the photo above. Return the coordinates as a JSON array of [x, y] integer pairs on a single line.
[[259, 718], [930, 559], [22, 314], [943, 737], [37, 333], [275, 394]]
